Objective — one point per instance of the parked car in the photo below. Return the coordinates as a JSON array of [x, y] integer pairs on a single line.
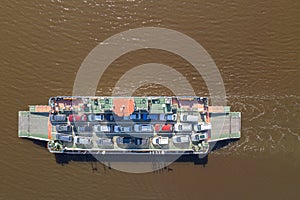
[[189, 118], [58, 118], [77, 118], [122, 129], [106, 142], [183, 127], [64, 138], [171, 117], [144, 117], [168, 117], [181, 139], [202, 127], [140, 141], [102, 128], [163, 127], [153, 117], [109, 117], [63, 128], [199, 136], [83, 140], [135, 116], [143, 128], [124, 140], [93, 117], [160, 140], [83, 130], [131, 140]]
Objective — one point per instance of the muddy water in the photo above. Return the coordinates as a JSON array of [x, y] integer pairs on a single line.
[[255, 45]]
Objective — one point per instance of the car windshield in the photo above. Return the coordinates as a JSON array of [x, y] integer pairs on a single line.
[[126, 140]]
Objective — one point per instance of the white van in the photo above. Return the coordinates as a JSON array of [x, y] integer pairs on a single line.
[[202, 127], [183, 127], [143, 128], [160, 140], [82, 140], [189, 118], [179, 139], [102, 128]]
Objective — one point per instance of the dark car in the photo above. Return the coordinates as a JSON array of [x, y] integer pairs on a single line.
[[58, 118], [124, 140], [130, 140], [140, 141]]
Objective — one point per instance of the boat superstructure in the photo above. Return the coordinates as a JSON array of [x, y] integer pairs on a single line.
[[129, 125]]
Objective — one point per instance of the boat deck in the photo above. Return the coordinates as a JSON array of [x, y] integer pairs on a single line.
[[34, 125], [225, 126]]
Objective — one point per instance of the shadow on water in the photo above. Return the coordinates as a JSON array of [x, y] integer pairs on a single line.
[[94, 159]]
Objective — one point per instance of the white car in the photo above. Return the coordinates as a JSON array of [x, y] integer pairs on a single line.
[[105, 142], [181, 139], [143, 128], [202, 127], [82, 140], [183, 127], [189, 118], [102, 128], [160, 140]]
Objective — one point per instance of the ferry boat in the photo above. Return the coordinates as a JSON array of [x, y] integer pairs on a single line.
[[129, 125]]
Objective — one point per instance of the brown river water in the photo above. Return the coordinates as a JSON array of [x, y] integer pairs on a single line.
[[255, 45]]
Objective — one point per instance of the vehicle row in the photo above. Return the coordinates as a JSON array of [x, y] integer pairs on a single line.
[[138, 128], [111, 117], [156, 141]]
